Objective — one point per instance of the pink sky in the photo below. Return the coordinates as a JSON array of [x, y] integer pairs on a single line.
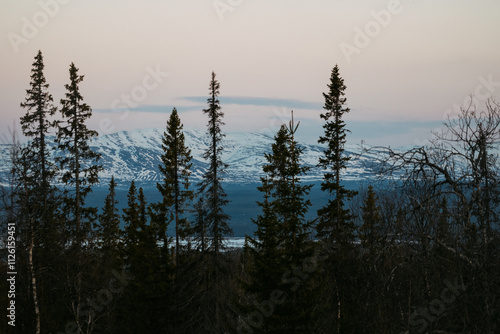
[[404, 62]]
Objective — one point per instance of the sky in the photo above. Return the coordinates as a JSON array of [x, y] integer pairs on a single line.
[[407, 64]]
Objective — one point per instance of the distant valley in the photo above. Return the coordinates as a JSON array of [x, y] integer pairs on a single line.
[[135, 155]]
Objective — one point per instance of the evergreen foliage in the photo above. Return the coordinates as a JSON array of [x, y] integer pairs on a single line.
[[211, 186], [175, 168], [428, 260], [108, 230], [131, 218], [79, 172], [281, 243], [148, 295], [110, 258], [77, 161], [37, 198], [36, 169], [36, 123], [212, 304], [335, 221], [371, 230]]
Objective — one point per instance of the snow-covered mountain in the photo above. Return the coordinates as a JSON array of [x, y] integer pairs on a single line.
[[135, 155]]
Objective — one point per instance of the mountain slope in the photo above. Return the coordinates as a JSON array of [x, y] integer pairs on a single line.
[[135, 155]]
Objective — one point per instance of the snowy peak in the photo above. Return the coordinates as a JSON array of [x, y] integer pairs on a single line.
[[135, 155]]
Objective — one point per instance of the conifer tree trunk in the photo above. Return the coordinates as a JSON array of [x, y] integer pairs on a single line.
[[80, 170], [282, 239], [175, 168], [37, 201], [33, 278], [335, 221], [213, 226], [176, 208], [77, 182]]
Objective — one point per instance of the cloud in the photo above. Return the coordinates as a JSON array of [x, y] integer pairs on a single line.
[[257, 114], [392, 133], [258, 101], [373, 129], [189, 103], [143, 108], [373, 133]]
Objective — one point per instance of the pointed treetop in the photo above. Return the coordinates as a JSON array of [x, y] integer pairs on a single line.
[[334, 99], [38, 101]]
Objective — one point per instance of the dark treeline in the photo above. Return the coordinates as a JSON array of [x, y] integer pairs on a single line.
[[417, 255]]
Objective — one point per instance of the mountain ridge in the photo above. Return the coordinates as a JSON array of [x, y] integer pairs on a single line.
[[136, 154]]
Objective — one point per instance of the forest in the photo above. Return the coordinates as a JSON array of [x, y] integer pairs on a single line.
[[417, 252]]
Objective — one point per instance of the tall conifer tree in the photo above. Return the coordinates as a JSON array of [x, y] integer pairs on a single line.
[[110, 250], [264, 262], [77, 160], [211, 185], [147, 297], [108, 231], [371, 230], [335, 221], [80, 168], [131, 218], [38, 199], [213, 299], [36, 123], [175, 168], [282, 242]]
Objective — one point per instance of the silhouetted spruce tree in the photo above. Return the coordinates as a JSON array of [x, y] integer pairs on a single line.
[[38, 199], [192, 278], [290, 204], [278, 258], [110, 259], [371, 230], [174, 188], [213, 301], [175, 168], [211, 185], [78, 162], [144, 308], [131, 219], [143, 218], [108, 230], [372, 269], [133, 256], [264, 265], [443, 232], [199, 230], [79, 165], [335, 221], [36, 124]]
